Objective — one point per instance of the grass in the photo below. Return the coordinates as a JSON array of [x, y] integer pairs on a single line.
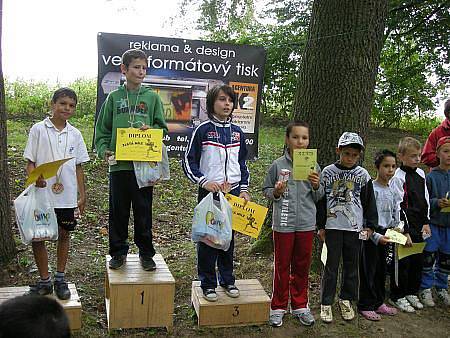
[[172, 212]]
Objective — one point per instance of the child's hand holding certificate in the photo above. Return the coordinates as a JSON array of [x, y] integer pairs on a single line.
[[396, 237], [304, 163]]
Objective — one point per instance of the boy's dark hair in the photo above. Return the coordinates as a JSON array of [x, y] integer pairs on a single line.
[[132, 54], [33, 317], [295, 123], [381, 155], [212, 95], [447, 108], [64, 92]]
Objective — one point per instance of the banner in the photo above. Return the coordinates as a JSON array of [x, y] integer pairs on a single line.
[[182, 71]]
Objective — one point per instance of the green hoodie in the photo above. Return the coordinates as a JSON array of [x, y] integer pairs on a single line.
[[116, 113]]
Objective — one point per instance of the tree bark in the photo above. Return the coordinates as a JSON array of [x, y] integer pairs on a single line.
[[7, 245], [338, 70], [337, 76]]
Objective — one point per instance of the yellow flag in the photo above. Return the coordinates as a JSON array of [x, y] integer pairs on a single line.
[[304, 163], [133, 144], [247, 219], [47, 170]]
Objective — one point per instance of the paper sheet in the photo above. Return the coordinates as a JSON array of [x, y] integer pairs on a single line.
[[404, 251], [47, 170], [396, 237]]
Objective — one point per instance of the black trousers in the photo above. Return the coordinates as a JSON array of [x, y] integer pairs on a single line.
[[345, 244], [124, 193], [207, 257], [409, 277], [372, 276]]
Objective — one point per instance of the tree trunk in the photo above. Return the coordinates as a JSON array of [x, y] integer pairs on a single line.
[[7, 246], [337, 76], [338, 70]]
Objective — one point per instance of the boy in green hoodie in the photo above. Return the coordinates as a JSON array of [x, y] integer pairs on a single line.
[[131, 105]]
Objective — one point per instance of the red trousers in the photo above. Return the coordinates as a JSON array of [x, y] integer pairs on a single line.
[[292, 260]]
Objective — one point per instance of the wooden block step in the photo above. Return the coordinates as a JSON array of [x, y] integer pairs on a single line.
[[72, 306], [250, 308], [136, 298]]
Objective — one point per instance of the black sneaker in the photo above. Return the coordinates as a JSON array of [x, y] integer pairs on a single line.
[[147, 262], [41, 289], [62, 290], [116, 262]]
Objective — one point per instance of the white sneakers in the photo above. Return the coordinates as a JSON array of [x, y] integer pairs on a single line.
[[402, 304], [442, 295], [326, 314], [426, 297], [414, 301], [347, 311]]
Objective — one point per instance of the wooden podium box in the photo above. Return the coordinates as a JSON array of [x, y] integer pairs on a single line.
[[72, 306], [250, 308], [136, 298]]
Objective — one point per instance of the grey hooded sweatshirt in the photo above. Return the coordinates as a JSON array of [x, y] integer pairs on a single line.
[[295, 210]]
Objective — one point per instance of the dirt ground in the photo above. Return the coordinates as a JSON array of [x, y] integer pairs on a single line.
[[173, 205]]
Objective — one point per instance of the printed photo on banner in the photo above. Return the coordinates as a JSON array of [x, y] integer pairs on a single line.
[[244, 113], [182, 71]]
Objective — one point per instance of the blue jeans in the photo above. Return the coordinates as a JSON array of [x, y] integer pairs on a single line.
[[436, 259]]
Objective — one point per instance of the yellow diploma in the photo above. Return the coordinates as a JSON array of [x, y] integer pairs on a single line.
[[304, 163], [247, 219], [404, 251], [133, 144], [47, 170], [396, 237]]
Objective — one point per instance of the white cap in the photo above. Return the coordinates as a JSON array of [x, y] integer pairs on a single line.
[[348, 138]]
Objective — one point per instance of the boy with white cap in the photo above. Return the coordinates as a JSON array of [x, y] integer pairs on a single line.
[[347, 214]]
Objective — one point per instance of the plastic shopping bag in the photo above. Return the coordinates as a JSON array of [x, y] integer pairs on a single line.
[[35, 215], [211, 223], [149, 173]]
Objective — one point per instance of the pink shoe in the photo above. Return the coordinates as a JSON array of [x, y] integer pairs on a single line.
[[386, 310], [370, 315]]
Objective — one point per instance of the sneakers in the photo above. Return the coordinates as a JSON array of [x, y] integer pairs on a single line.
[[231, 291], [306, 318], [41, 289], [147, 263], [402, 304], [442, 295], [210, 295], [326, 314], [426, 297], [117, 261], [276, 318], [347, 311], [62, 290], [414, 301]]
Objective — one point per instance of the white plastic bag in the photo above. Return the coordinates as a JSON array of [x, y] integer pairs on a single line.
[[149, 173], [35, 215], [211, 223]]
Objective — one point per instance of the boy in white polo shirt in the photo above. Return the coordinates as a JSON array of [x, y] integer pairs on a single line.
[[53, 139]]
